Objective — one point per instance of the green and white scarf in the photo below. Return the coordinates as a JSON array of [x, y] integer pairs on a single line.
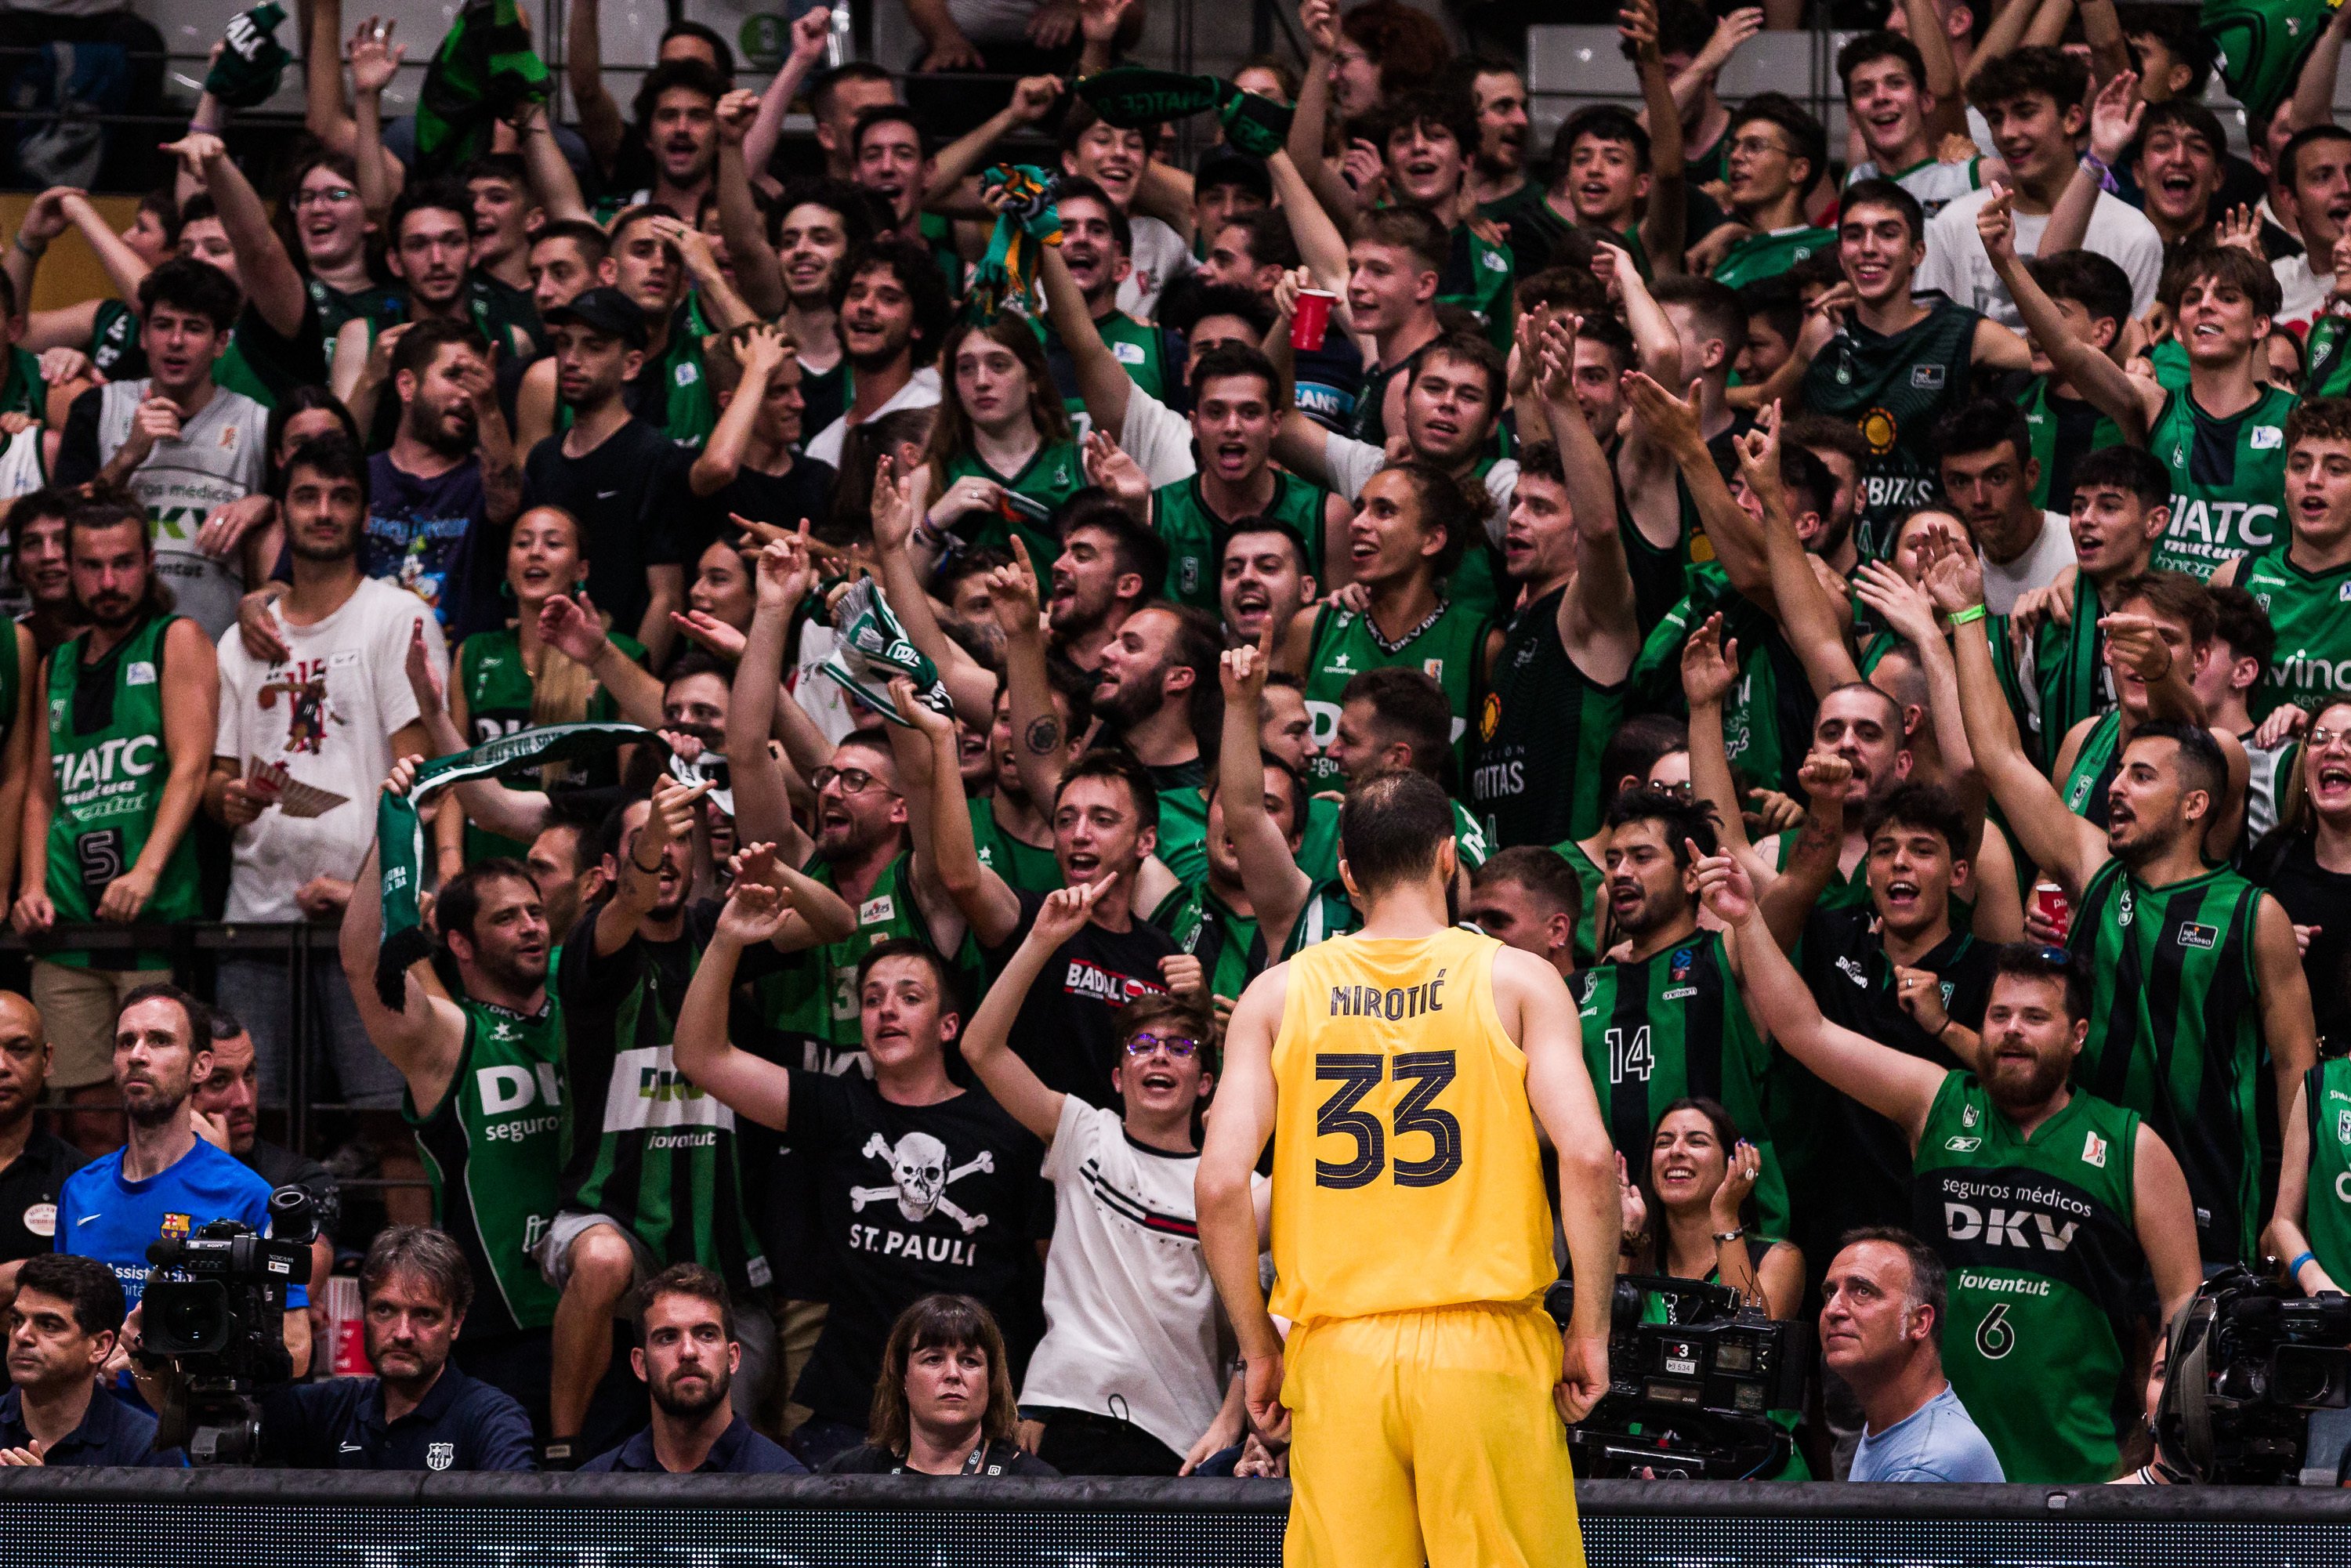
[[875, 649], [400, 830]]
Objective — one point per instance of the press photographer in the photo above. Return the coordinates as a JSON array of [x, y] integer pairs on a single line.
[[419, 1412]]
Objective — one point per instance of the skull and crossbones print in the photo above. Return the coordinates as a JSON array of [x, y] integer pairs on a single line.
[[919, 1178]]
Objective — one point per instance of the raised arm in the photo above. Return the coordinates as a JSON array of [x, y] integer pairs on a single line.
[[1320, 245], [1904, 608], [1806, 617], [553, 185], [761, 353], [1032, 98], [425, 1038], [2313, 90], [1897, 1085], [1820, 843], [1039, 750], [810, 31], [569, 622], [897, 503], [1671, 424], [1278, 890], [763, 808], [272, 283], [638, 887], [2123, 398], [1310, 116], [747, 1085], [933, 784], [1663, 224], [325, 114], [1709, 669], [987, 1043], [375, 58], [1102, 382], [758, 272], [1597, 622], [1950, 117], [601, 125], [1222, 1193]]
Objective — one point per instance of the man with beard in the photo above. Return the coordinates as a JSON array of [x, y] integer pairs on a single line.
[[420, 1411], [429, 247], [676, 113], [893, 308], [2184, 1052], [611, 471], [687, 1356], [1665, 1022], [1156, 689], [37, 1162], [1264, 581], [486, 1092], [41, 569], [229, 1097], [2013, 1128], [636, 1196], [1498, 172], [1096, 238], [451, 477], [64, 1323], [116, 777], [1236, 393], [1107, 569], [1555, 689], [334, 709], [165, 1181], [180, 443]]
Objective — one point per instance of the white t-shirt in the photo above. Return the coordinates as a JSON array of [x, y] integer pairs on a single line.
[[1158, 257], [2305, 292], [327, 713], [1133, 1329], [1957, 265], [1353, 463], [1158, 439], [921, 390], [2037, 568]]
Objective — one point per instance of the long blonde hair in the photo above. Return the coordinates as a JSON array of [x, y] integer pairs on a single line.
[[563, 687]]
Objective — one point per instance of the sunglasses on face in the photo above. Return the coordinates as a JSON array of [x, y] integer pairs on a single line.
[[1182, 1047]]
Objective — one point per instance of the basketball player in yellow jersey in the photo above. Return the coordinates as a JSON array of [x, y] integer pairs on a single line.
[[1425, 1391]]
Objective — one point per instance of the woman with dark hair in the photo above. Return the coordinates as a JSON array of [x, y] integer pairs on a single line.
[[1000, 455], [2305, 864], [325, 227], [943, 1404], [1691, 1214]]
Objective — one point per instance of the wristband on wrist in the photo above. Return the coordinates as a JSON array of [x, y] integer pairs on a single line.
[[2097, 169], [653, 869], [2294, 1269], [31, 247], [1972, 613], [1724, 1238]]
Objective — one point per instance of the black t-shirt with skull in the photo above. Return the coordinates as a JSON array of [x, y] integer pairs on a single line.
[[913, 1200]]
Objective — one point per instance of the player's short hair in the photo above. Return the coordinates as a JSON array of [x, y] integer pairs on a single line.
[[1884, 192], [86, 1285], [1444, 503], [2175, 28], [459, 902], [1390, 827], [1810, 486], [331, 455], [1929, 1281], [695, 76], [1816, 432], [1407, 706], [1235, 360], [2135, 471], [1683, 819], [431, 195], [1187, 302], [2039, 71], [2227, 264], [1603, 122], [191, 1007], [1638, 745], [821, 90], [2186, 114], [594, 244], [1979, 426], [1776, 300], [1882, 44], [2096, 283], [1432, 109], [943, 975], [2318, 419], [1120, 767], [1614, 336], [2289, 159], [2239, 620], [686, 1280], [2201, 764], [1270, 243], [198, 287], [1544, 872], [1134, 549], [2174, 596], [1915, 803], [1079, 188], [2036, 961], [1406, 44], [1473, 350]]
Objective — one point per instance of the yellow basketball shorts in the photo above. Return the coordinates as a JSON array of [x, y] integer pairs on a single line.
[[1429, 1436]]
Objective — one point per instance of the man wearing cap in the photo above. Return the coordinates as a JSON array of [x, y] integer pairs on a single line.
[[612, 470]]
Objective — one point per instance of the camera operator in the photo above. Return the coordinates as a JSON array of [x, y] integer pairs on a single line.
[[2311, 1227], [1881, 1323], [166, 1181], [227, 1098], [62, 1330], [418, 1413], [687, 1358]]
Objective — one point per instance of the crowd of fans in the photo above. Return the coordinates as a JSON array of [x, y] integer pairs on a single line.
[[1848, 613]]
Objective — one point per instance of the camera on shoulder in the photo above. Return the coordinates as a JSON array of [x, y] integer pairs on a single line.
[[215, 1312], [2248, 1360], [1692, 1381]]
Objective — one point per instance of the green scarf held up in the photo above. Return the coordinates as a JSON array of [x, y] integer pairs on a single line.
[[483, 72], [400, 830], [1026, 219], [251, 59], [875, 649], [2260, 47], [1135, 98]]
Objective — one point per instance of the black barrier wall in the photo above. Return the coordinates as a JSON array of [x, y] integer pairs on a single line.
[[108, 1519]]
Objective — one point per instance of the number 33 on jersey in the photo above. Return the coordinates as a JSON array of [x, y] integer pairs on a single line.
[[1402, 1133]]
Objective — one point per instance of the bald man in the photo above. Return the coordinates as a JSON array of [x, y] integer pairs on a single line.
[[33, 1164]]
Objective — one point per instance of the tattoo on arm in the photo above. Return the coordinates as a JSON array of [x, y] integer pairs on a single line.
[[1045, 736]]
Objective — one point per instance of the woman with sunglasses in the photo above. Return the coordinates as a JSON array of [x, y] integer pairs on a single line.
[[1128, 1377]]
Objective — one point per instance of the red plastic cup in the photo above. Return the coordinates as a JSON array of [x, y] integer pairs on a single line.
[[1313, 320], [2050, 902]]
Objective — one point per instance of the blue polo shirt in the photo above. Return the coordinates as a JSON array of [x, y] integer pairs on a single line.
[[739, 1451], [461, 1423], [112, 1433], [101, 1215]]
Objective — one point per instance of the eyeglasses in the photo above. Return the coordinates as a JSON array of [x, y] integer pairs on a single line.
[[1182, 1047], [2320, 739], [853, 781], [332, 196], [1756, 146]]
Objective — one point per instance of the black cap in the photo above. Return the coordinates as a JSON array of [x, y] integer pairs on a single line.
[[1223, 166], [606, 310]]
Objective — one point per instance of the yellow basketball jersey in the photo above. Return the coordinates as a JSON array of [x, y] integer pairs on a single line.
[[1405, 1172]]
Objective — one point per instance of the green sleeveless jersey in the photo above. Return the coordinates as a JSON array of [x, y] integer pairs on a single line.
[[338, 309], [2068, 671], [106, 746], [1135, 345], [493, 1148], [1542, 725], [1023, 865], [1894, 388], [2040, 426], [2045, 1270], [1767, 720], [1477, 276], [1195, 535], [498, 689], [2092, 769], [1769, 254], [1320, 846], [22, 391], [654, 1151], [1329, 913], [1447, 645], [2312, 614], [2228, 477], [2175, 1032], [1670, 1026], [1593, 881], [688, 407], [1052, 474], [2326, 1201], [1231, 948], [2329, 371]]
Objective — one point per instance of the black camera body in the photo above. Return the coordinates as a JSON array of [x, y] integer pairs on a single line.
[[215, 1309], [1689, 1397], [2249, 1360]]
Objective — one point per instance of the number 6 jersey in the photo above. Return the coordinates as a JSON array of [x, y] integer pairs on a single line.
[[1406, 1174]]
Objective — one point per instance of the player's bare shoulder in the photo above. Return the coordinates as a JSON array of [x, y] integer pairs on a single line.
[[1262, 1000], [1525, 987]]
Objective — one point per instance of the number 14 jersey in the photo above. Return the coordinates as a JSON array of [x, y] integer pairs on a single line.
[[1406, 1174]]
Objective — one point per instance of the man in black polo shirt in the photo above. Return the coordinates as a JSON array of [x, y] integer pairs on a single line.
[[687, 1355], [419, 1412], [229, 1097], [62, 1328], [33, 1164]]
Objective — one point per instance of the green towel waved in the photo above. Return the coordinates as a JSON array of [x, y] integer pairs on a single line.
[[251, 59], [1026, 219], [400, 830], [484, 71], [1136, 97], [875, 649], [2260, 46]]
